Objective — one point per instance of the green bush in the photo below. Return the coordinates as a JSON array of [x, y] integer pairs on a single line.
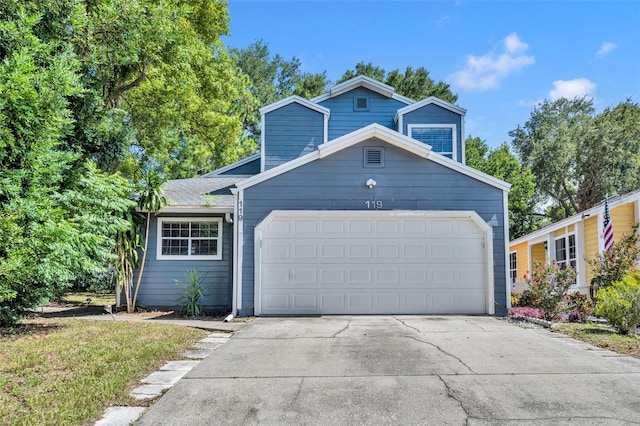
[[619, 303], [193, 293], [548, 285]]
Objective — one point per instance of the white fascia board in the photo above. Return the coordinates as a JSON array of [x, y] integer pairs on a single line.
[[371, 131], [428, 101], [469, 171], [232, 166], [195, 209], [262, 132], [278, 170], [362, 81], [375, 130], [297, 99], [578, 217]]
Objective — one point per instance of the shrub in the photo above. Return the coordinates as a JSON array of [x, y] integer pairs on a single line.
[[611, 266], [577, 316], [525, 299], [619, 303], [193, 293], [578, 302], [526, 312], [548, 285]]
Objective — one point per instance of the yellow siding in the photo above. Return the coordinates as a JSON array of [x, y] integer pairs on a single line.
[[590, 243], [523, 256], [571, 228], [622, 219], [559, 232], [537, 254]]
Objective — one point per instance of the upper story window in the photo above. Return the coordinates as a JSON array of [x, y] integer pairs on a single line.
[[441, 137], [361, 103], [189, 238]]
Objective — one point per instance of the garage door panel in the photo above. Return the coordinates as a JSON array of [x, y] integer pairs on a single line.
[[386, 265]]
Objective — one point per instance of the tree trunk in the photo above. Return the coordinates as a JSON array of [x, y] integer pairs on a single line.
[[144, 258]]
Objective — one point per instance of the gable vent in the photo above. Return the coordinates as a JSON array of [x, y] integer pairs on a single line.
[[361, 103], [374, 157]]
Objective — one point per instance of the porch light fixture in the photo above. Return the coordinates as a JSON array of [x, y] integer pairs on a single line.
[[371, 183]]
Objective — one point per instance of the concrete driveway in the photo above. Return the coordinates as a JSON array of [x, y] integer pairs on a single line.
[[402, 370]]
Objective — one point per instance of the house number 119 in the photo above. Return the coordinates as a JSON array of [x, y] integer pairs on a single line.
[[373, 204]]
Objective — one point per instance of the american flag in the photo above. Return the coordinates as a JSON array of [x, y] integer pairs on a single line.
[[608, 229]]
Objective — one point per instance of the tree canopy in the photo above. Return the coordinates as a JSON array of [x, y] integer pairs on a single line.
[[416, 84], [272, 78], [501, 163], [577, 156]]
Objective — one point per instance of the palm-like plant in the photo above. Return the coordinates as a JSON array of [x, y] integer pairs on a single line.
[[150, 200]]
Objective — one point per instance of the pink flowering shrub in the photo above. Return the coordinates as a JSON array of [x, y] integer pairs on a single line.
[[526, 312]]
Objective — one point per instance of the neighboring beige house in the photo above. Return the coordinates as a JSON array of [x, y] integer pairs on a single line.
[[573, 240]]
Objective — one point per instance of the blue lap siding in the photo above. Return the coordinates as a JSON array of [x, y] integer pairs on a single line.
[[407, 182], [291, 132], [159, 288], [345, 120]]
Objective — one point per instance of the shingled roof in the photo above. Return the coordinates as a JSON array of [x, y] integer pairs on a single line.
[[212, 191]]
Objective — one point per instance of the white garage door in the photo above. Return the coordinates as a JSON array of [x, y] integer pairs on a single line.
[[327, 262]]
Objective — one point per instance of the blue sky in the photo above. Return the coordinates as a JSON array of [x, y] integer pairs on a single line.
[[501, 58]]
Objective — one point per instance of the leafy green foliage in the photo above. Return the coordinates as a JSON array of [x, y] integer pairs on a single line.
[[272, 78], [577, 156], [501, 163], [612, 266], [548, 285], [619, 303], [58, 212], [193, 293], [416, 84]]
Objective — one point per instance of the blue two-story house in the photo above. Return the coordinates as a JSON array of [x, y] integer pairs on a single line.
[[359, 202]]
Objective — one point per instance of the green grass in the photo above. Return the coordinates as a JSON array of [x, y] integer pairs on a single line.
[[68, 371], [97, 299], [602, 337]]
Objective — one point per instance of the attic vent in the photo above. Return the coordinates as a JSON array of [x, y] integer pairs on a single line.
[[374, 157], [360, 103]]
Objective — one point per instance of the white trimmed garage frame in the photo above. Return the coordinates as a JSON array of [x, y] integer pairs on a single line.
[[486, 229]]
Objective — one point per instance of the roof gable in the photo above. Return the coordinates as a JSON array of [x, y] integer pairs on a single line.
[[367, 82], [375, 131], [428, 101], [295, 99]]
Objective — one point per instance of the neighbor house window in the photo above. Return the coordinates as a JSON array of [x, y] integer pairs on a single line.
[[195, 239], [441, 138], [513, 267], [566, 251]]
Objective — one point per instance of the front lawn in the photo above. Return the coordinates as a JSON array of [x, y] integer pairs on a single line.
[[602, 337], [68, 371]]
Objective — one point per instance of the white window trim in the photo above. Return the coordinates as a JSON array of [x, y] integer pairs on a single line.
[[567, 261], [160, 256], [454, 133], [511, 270]]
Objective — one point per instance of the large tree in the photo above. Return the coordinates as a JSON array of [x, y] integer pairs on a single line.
[[272, 78], [414, 84], [58, 213], [579, 157], [501, 163], [158, 85]]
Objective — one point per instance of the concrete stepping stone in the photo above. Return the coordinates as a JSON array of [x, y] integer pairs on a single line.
[[119, 416]]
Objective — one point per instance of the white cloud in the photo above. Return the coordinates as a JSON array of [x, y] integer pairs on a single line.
[[487, 71], [571, 89], [605, 48]]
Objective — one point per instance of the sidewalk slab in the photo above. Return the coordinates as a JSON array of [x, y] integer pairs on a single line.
[[120, 416]]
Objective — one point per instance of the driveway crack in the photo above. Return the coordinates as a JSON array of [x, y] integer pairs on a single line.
[[343, 329], [434, 345], [452, 396]]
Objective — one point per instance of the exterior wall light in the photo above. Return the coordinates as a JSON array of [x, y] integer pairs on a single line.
[[371, 183]]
